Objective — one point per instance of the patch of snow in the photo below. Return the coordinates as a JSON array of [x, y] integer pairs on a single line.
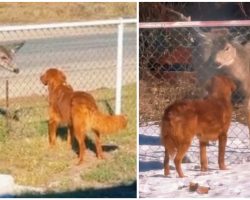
[[20, 189], [8, 188], [7, 185], [233, 182]]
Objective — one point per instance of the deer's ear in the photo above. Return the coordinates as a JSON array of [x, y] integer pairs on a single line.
[[12, 48], [15, 47]]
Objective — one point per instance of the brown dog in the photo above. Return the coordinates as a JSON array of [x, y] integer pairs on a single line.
[[79, 111], [207, 118]]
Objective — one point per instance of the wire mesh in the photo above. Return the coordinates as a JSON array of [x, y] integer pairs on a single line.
[[174, 64], [87, 55]]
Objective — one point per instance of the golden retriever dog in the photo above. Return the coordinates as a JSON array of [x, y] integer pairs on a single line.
[[208, 119], [78, 110]]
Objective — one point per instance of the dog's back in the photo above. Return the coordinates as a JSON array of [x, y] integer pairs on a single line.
[[85, 110]]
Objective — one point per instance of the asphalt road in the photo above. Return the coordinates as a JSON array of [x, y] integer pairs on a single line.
[[88, 60], [64, 51]]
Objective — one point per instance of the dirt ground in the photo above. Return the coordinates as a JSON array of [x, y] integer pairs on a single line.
[[42, 12]]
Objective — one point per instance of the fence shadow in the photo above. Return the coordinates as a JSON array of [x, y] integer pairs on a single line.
[[149, 140], [120, 191], [62, 133], [149, 165]]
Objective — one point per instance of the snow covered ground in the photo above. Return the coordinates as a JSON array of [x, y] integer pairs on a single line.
[[234, 182]]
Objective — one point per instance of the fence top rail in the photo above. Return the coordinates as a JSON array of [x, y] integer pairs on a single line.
[[66, 24], [148, 25]]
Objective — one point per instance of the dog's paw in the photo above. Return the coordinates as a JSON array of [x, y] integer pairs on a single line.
[[166, 171], [80, 162], [204, 168], [223, 167], [101, 157]]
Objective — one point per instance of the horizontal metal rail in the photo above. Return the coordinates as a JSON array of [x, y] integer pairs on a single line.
[[66, 24], [148, 25]]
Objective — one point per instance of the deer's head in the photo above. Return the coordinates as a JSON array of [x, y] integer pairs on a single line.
[[7, 53]]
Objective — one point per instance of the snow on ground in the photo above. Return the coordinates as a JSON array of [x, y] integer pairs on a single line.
[[8, 188], [233, 182]]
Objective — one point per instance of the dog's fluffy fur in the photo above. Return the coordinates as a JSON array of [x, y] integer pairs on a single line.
[[207, 118], [79, 111]]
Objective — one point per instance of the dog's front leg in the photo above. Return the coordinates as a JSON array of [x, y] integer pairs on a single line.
[[203, 156], [222, 147], [99, 152], [52, 132]]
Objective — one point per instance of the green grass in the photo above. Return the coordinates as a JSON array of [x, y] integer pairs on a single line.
[[25, 153], [118, 169], [3, 131]]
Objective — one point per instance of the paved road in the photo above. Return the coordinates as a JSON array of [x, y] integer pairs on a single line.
[[88, 60], [80, 49]]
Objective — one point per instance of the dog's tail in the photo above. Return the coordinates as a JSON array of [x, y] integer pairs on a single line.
[[167, 134], [108, 123]]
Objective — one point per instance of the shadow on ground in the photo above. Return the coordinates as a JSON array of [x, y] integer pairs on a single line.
[[149, 165], [63, 131], [120, 191], [149, 140]]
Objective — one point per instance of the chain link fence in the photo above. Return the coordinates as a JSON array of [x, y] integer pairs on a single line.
[[173, 65], [86, 52]]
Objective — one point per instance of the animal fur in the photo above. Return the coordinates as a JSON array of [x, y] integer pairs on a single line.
[[79, 111], [206, 118], [234, 58]]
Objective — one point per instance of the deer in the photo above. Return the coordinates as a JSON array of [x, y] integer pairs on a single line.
[[233, 58], [7, 53]]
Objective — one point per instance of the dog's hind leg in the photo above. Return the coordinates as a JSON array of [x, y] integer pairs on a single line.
[[70, 135], [99, 152], [80, 133], [181, 151], [203, 156], [222, 147]]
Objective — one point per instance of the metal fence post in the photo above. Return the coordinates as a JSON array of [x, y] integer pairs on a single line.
[[118, 95], [7, 106]]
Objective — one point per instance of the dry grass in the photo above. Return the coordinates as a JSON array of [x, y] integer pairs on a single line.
[[157, 94], [16, 13]]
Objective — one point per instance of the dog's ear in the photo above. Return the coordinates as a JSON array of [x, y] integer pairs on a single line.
[[43, 79], [62, 77]]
